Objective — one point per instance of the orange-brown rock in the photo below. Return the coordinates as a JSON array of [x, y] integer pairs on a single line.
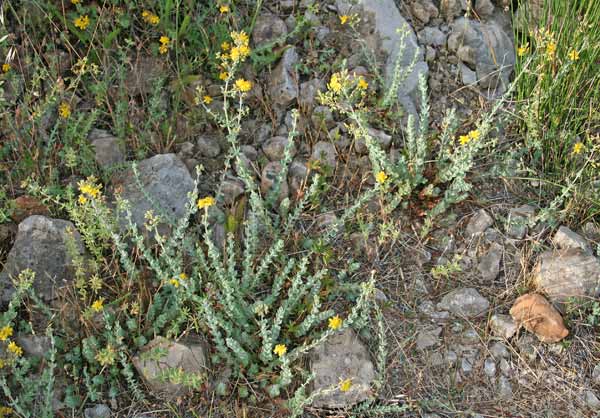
[[537, 315]]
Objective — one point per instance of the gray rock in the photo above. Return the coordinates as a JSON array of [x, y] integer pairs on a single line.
[[232, 188], [41, 245], [504, 388], [451, 357], [489, 264], [208, 146], [468, 76], [518, 221], [451, 9], [526, 346], [505, 367], [267, 28], [432, 36], [565, 274], [98, 411], [298, 173], [428, 308], [424, 10], [107, 148], [464, 302], [274, 147], [322, 118], [596, 374], [309, 91], [430, 54], [250, 152], [499, 350], [185, 149], [466, 365], [484, 8], [479, 223], [384, 140], [380, 296], [189, 356], [591, 400], [267, 180], [324, 152], [34, 345], [466, 54], [494, 50], [342, 356], [565, 239], [165, 179], [284, 79], [387, 22], [489, 367], [428, 338], [503, 326]]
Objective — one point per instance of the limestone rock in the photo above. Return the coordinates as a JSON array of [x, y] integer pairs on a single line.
[[188, 356], [267, 28], [464, 302], [208, 146], [275, 147], [493, 48], [518, 221], [564, 238], [424, 10], [232, 188], [428, 338], [503, 326], [342, 356], [41, 245], [451, 9], [479, 223], [108, 149], [309, 91], [165, 179], [284, 80], [535, 313], [324, 152], [489, 264], [34, 345], [567, 274]]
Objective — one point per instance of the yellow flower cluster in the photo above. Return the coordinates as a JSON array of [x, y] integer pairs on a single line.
[[64, 110], [5, 332], [344, 19], [89, 188], [15, 349], [471, 136], [335, 83], [578, 147], [165, 42], [280, 350], [206, 202], [243, 85], [106, 356], [150, 17], [82, 22], [523, 49], [5, 68]]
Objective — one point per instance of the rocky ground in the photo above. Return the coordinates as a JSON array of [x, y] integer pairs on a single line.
[[482, 316]]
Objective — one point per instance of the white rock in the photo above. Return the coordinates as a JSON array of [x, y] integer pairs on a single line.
[[503, 326]]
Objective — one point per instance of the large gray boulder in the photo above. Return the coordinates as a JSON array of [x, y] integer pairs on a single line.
[[565, 274], [388, 24], [165, 179], [41, 245], [343, 356], [161, 360]]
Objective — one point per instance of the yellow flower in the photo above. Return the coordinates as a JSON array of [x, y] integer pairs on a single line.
[[280, 349], [577, 148], [223, 75], [89, 188], [240, 38], [574, 55], [75, 1], [362, 83], [464, 139], [243, 85], [345, 385], [474, 134], [523, 49], [183, 276], [150, 17], [5, 410], [15, 349], [334, 84], [239, 52], [5, 67], [82, 199], [225, 46], [64, 110], [164, 40], [381, 177], [82, 22], [206, 202], [106, 356], [98, 305], [164, 44], [5, 332], [2, 364], [551, 49], [224, 9], [174, 282], [207, 99], [335, 322], [344, 19]]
